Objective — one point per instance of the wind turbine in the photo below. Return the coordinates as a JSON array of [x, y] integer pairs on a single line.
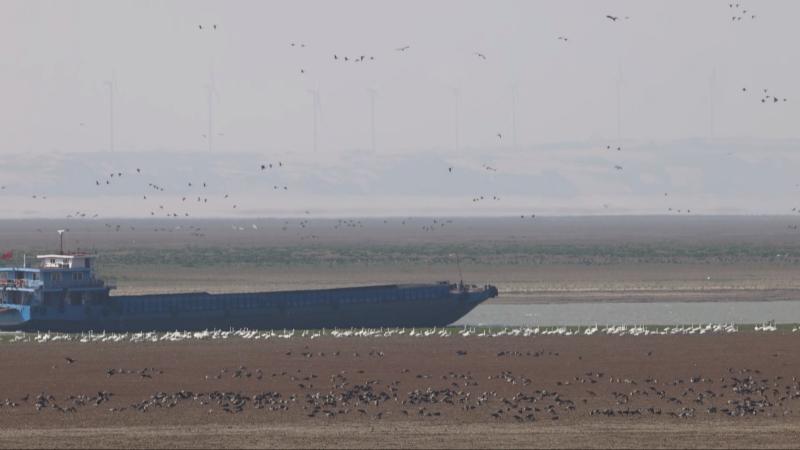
[[212, 94], [316, 113], [711, 88], [456, 108], [372, 93], [620, 82], [110, 85], [514, 114]]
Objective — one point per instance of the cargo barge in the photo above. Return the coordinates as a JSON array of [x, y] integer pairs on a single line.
[[64, 294]]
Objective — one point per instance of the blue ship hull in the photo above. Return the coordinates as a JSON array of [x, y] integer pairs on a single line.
[[373, 306]]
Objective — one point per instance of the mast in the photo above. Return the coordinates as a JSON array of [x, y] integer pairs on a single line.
[[61, 241]]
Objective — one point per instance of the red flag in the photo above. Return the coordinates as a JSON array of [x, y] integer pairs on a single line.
[[7, 255]]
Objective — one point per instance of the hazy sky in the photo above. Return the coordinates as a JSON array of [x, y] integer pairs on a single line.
[[57, 57], [679, 68]]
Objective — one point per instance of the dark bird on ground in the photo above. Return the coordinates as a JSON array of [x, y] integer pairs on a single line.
[[69, 360]]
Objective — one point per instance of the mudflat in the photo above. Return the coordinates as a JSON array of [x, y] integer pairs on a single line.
[[737, 390], [541, 260]]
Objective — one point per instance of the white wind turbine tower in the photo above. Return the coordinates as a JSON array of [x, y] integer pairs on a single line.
[[620, 82], [456, 108], [212, 94], [712, 84], [110, 85], [316, 113], [514, 115], [372, 93]]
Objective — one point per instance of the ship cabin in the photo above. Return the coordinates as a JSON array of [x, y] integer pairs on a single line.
[[59, 280]]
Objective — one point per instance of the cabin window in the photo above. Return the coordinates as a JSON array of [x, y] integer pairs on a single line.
[[77, 276], [55, 276]]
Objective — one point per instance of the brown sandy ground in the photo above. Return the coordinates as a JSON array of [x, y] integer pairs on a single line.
[[738, 390]]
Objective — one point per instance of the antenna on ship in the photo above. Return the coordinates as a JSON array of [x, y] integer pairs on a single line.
[[61, 241], [460, 275]]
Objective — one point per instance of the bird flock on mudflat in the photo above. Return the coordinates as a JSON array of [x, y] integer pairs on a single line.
[[511, 389]]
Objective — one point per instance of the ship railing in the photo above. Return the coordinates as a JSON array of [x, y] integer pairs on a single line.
[[21, 283], [109, 282], [98, 282]]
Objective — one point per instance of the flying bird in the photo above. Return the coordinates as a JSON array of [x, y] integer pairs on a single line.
[[480, 55], [402, 49]]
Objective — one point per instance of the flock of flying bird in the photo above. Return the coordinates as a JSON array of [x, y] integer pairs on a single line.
[[195, 192], [739, 12]]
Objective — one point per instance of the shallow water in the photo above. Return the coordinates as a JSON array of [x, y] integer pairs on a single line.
[[633, 313]]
